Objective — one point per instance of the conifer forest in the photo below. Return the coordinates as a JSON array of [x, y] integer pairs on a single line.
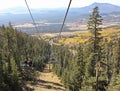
[[91, 65]]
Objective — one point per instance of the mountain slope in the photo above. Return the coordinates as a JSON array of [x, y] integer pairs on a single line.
[[50, 19], [103, 8]]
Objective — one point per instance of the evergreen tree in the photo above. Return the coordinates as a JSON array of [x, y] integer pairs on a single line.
[[79, 70], [15, 48], [94, 23]]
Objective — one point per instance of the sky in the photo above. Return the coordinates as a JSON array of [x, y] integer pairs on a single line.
[[5, 4]]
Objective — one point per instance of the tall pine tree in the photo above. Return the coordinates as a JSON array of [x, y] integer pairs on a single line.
[[94, 23]]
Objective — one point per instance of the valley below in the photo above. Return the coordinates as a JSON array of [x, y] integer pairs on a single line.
[[44, 50], [46, 27]]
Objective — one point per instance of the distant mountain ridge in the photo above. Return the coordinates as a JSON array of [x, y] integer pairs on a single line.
[[103, 7], [21, 14], [54, 17]]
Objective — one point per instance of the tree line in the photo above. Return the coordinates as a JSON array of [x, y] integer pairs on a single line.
[[95, 65], [15, 48]]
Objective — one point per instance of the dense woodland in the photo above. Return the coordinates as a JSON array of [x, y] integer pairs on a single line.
[[16, 48], [91, 66]]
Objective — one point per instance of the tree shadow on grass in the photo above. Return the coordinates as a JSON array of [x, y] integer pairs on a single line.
[[52, 87], [49, 85]]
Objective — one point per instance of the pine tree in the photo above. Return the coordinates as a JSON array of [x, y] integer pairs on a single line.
[[79, 70], [94, 23]]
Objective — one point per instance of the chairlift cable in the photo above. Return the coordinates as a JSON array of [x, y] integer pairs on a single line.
[[65, 18], [34, 23]]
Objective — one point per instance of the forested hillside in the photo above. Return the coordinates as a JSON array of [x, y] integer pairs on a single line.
[[94, 64], [91, 64], [82, 37], [16, 48], [75, 65]]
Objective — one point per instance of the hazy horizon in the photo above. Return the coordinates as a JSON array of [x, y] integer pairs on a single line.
[[6, 4]]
